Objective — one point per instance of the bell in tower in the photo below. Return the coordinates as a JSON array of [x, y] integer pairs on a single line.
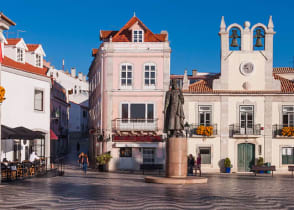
[[234, 37], [258, 37]]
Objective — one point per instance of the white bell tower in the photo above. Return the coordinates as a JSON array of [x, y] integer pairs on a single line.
[[246, 57]]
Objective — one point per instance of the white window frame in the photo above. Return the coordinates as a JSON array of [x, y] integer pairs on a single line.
[[39, 62], [126, 86], [136, 36], [152, 86], [20, 55], [146, 109], [289, 113], [200, 111], [43, 105]]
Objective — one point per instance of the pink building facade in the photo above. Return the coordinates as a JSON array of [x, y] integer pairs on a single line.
[[128, 79]]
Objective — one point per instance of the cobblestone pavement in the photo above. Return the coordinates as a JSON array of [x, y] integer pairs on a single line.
[[99, 190]]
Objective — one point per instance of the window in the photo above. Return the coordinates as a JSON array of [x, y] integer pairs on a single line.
[[149, 75], [138, 36], [205, 115], [38, 105], [205, 153], [20, 55], [288, 116], [246, 117], [288, 155], [38, 61], [84, 114], [125, 152], [148, 155], [126, 75], [137, 111], [75, 89]]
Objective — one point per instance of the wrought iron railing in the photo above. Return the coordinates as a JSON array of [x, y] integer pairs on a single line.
[[202, 130], [283, 131], [130, 124], [236, 129]]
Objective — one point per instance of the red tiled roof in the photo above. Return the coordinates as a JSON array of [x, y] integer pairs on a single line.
[[94, 52], [125, 35], [7, 19], [13, 41], [205, 86], [32, 47], [107, 34], [24, 67], [283, 70]]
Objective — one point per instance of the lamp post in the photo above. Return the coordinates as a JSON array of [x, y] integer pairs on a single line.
[[5, 23]]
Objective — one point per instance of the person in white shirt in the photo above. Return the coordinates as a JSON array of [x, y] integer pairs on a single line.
[[33, 157]]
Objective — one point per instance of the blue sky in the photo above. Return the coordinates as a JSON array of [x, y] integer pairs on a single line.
[[69, 29]]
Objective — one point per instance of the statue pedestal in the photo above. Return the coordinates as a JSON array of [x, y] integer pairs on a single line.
[[176, 157]]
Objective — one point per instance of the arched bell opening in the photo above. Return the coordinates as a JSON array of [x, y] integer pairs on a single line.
[[259, 39], [235, 39]]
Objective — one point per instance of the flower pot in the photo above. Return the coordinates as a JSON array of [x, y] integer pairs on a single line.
[[228, 170]]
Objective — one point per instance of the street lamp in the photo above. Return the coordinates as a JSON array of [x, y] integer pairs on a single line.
[[187, 128]]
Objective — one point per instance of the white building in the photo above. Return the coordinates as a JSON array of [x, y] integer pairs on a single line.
[[77, 88], [27, 96], [249, 108]]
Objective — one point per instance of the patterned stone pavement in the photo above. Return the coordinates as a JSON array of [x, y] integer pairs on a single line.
[[99, 190]]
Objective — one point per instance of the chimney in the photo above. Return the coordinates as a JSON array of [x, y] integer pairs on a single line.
[[80, 76], [73, 72], [166, 37], [185, 80], [84, 78], [194, 72]]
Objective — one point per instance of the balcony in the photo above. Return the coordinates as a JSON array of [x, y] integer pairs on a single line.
[[283, 131], [201, 131], [236, 131], [128, 124]]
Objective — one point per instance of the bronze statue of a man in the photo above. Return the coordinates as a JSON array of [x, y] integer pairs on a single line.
[[173, 110]]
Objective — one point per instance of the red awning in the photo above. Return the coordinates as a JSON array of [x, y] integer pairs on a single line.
[[53, 135], [137, 138]]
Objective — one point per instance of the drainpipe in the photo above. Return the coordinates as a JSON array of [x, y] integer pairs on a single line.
[[101, 96]]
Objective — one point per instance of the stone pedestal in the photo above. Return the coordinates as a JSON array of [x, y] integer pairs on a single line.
[[176, 157]]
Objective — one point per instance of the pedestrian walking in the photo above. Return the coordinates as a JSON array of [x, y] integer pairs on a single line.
[[80, 157], [191, 163], [85, 163], [198, 164]]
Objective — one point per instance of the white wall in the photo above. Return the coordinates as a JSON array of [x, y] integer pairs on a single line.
[[18, 108]]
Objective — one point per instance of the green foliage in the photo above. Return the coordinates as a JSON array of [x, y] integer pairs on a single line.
[[227, 163], [260, 161], [103, 159]]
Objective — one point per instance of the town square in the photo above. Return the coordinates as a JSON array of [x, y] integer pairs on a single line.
[[146, 105]]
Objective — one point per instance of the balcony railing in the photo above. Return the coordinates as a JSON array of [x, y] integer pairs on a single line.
[[237, 130], [130, 124], [202, 130], [283, 131]]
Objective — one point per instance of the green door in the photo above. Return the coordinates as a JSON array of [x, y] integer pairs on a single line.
[[246, 156]]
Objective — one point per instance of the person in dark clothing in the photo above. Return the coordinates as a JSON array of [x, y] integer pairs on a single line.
[[198, 164], [191, 163], [78, 147]]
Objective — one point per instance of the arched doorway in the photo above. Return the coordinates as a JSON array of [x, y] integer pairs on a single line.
[[246, 156]]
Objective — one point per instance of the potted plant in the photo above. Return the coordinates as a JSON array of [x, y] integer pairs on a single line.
[[260, 163], [102, 160], [228, 165]]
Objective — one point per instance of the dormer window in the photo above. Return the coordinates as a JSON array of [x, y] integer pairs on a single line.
[[20, 55], [38, 60], [138, 36]]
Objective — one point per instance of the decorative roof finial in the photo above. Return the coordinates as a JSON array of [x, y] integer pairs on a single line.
[[270, 23], [223, 25], [134, 14]]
